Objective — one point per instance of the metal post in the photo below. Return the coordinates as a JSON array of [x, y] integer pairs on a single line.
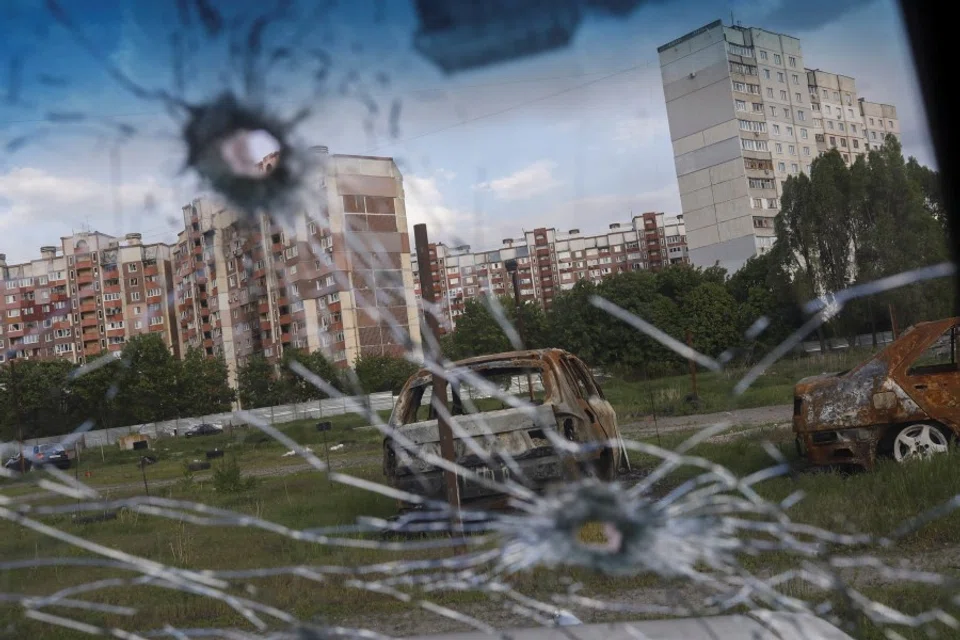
[[511, 266], [15, 392], [693, 366], [143, 471], [893, 321], [439, 382]]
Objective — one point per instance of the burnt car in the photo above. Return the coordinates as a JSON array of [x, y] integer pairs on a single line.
[[559, 394], [38, 456], [903, 402]]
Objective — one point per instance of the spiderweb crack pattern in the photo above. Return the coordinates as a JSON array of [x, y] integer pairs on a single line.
[[703, 534]]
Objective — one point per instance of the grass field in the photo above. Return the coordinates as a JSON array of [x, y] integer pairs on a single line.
[[872, 503], [636, 397]]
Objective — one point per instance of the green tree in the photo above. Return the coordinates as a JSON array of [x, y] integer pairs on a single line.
[[762, 289], [478, 332], [383, 372], [147, 381], [295, 388], [710, 313], [202, 385], [257, 384], [34, 398]]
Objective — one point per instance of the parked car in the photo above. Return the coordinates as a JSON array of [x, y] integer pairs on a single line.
[[39, 455], [904, 402], [204, 429], [565, 398]]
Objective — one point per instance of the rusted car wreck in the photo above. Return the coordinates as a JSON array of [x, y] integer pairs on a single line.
[[498, 441], [904, 402]]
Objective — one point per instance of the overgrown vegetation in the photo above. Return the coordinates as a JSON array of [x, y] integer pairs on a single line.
[[884, 499], [838, 227]]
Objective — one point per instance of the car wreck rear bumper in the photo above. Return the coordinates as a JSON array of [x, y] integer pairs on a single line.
[[535, 473], [854, 447]]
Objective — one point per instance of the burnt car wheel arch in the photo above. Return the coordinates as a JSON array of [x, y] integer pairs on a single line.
[[885, 444]]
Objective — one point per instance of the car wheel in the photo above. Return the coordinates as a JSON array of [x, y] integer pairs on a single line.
[[918, 441]]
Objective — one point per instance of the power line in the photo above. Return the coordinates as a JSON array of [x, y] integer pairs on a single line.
[[455, 89], [508, 109]]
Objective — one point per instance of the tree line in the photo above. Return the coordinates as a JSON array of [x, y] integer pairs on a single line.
[[838, 227], [148, 384]]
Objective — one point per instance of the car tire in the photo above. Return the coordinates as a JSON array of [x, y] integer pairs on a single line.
[[919, 440]]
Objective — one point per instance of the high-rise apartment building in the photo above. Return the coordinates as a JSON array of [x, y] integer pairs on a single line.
[[90, 295], [325, 280], [550, 261], [745, 113]]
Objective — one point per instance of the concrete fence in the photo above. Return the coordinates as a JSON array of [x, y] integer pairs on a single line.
[[313, 410]]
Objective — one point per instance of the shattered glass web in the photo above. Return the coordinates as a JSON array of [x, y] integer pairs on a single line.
[[695, 536]]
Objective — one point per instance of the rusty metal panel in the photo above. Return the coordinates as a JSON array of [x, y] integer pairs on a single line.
[[842, 417]]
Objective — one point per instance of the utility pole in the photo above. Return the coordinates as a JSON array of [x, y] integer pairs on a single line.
[[511, 267], [15, 396], [439, 382]]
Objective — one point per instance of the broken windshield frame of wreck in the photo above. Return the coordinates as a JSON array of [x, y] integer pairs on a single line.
[[899, 403], [554, 395]]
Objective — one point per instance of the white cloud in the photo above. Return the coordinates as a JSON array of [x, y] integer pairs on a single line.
[[425, 204], [525, 183], [38, 207]]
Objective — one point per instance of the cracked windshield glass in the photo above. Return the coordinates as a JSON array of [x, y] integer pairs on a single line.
[[410, 318]]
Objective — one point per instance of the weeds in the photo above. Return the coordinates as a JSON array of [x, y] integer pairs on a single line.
[[227, 477]]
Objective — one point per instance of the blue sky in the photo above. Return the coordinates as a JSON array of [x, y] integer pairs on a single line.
[[574, 138]]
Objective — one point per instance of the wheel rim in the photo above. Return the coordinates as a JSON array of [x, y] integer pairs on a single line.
[[919, 441]]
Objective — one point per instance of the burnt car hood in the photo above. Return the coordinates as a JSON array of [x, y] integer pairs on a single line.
[[861, 397]]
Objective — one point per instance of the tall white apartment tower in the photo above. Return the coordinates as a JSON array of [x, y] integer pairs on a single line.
[[745, 113], [739, 113]]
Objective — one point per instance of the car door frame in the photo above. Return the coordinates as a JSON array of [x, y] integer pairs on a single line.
[[923, 387]]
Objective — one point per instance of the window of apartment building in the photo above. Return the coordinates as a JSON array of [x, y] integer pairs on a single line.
[[781, 166], [806, 151], [291, 252], [777, 59], [763, 54], [773, 109], [751, 125], [334, 297], [753, 145], [792, 150], [756, 203], [156, 320], [134, 282], [766, 74], [843, 142], [11, 299], [846, 158], [794, 168], [312, 227], [761, 183], [789, 131], [758, 107], [873, 134], [776, 129], [762, 223], [796, 80], [815, 106], [797, 97], [131, 268], [786, 113], [778, 147], [826, 109], [769, 92], [741, 105], [856, 143], [780, 76], [801, 115], [836, 96], [829, 124], [134, 295], [292, 270], [840, 126], [13, 313], [151, 293], [792, 61], [871, 122], [783, 95], [833, 141], [890, 123]]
